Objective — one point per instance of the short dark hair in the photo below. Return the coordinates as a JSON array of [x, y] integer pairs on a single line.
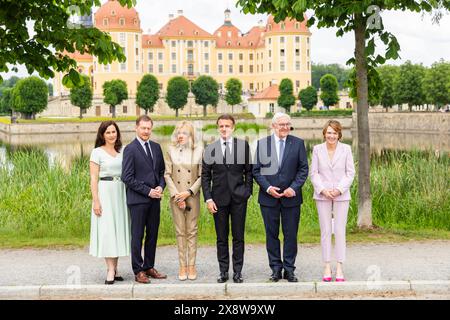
[[144, 118], [100, 140], [226, 117], [335, 125]]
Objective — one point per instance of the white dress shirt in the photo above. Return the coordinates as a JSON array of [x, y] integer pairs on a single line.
[[277, 146], [142, 142]]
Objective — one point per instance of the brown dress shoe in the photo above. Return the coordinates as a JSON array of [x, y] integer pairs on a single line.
[[155, 274], [141, 277]]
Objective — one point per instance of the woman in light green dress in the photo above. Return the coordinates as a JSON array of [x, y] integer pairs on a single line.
[[110, 226]]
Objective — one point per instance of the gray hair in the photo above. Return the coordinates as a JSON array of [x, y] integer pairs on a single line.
[[280, 115]]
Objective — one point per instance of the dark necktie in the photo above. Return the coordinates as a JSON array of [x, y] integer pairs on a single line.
[[281, 153], [149, 154], [227, 153]]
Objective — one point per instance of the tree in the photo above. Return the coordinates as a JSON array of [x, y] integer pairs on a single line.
[[206, 92], [5, 101], [286, 98], [329, 87], [408, 85], [388, 76], [82, 96], [436, 84], [52, 34], [319, 70], [114, 92], [30, 96], [308, 97], [147, 93], [363, 19], [234, 91], [177, 93]]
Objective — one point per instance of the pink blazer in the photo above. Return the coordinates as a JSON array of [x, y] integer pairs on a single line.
[[338, 173]]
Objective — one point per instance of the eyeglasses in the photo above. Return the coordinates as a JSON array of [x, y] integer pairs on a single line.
[[284, 125]]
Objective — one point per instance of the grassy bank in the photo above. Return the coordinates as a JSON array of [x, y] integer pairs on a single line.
[[42, 205], [131, 118], [242, 126], [318, 113]]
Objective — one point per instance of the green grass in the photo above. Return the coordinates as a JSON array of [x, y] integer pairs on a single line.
[[165, 130], [42, 205], [318, 113], [131, 118], [5, 120], [243, 126]]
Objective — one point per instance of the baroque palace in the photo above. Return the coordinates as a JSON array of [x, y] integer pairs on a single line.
[[260, 58]]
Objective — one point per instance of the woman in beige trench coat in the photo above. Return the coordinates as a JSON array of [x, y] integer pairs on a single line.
[[182, 175]]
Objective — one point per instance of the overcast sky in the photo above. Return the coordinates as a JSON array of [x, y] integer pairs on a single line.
[[421, 41]]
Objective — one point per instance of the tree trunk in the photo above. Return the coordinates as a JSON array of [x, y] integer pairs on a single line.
[[81, 113], [362, 90], [204, 111], [176, 113], [113, 111], [232, 109], [146, 111]]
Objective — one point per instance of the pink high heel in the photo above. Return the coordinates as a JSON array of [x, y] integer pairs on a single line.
[[326, 279], [340, 279]]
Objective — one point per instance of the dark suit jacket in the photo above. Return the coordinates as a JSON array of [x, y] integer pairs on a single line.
[[292, 173], [137, 173], [223, 182]]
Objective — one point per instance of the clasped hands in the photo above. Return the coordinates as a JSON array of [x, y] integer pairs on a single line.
[[156, 193], [180, 199], [288, 193], [331, 193]]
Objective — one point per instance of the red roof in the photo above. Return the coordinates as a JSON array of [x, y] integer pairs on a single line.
[[270, 93], [290, 25], [78, 56], [182, 27], [151, 41], [115, 13]]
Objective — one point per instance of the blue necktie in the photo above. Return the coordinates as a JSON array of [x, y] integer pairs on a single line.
[[281, 153], [149, 154]]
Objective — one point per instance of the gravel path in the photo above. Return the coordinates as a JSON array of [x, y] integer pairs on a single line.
[[428, 260]]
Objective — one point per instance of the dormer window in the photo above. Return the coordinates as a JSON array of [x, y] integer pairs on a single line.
[[122, 21], [283, 26], [113, 13], [105, 21], [149, 42], [239, 44], [228, 43], [251, 44], [269, 27], [297, 25], [135, 22], [180, 32], [229, 34]]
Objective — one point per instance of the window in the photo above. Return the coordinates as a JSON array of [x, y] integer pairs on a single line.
[[174, 56], [160, 55], [190, 55], [206, 68], [251, 68], [106, 68], [230, 56], [282, 66], [136, 38], [251, 86], [160, 68], [282, 52], [190, 44], [124, 109], [270, 27], [123, 66], [272, 108], [281, 39], [270, 53], [297, 39], [206, 43], [150, 56], [220, 68], [283, 26], [137, 51], [297, 65], [137, 66], [241, 69], [230, 68], [297, 52], [105, 21], [122, 39], [206, 56], [262, 68], [190, 69], [241, 56], [307, 53], [270, 40], [250, 56], [270, 66], [307, 40], [262, 55], [229, 34], [174, 68], [219, 56], [174, 44], [308, 65], [150, 68], [297, 25], [297, 84]]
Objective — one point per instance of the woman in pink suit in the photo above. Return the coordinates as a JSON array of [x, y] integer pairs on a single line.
[[332, 173]]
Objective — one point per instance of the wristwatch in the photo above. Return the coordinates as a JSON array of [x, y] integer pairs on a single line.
[[190, 191]]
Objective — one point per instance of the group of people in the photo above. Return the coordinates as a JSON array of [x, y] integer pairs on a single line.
[[127, 185]]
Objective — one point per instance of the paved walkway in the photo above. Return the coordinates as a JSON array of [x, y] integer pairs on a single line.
[[393, 263]]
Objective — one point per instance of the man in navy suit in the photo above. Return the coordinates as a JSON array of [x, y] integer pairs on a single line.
[[143, 174], [281, 169]]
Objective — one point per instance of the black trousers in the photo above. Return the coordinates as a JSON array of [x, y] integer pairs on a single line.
[[290, 219], [237, 212], [144, 222]]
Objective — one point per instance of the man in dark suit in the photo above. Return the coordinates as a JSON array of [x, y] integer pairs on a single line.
[[227, 184], [281, 169], [143, 174]]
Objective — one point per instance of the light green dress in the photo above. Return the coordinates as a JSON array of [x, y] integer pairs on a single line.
[[110, 233]]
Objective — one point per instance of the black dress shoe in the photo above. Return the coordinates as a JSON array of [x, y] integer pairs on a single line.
[[290, 276], [109, 282], [237, 278], [275, 277], [117, 278], [223, 277]]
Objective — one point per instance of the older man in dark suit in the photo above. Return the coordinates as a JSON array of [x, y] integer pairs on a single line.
[[280, 170], [143, 174], [227, 184]]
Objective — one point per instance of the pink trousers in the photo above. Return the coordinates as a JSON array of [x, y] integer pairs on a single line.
[[339, 211]]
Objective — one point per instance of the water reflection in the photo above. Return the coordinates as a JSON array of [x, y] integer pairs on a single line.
[[65, 148]]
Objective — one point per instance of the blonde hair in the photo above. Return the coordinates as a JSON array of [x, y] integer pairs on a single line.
[[190, 129], [336, 125]]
